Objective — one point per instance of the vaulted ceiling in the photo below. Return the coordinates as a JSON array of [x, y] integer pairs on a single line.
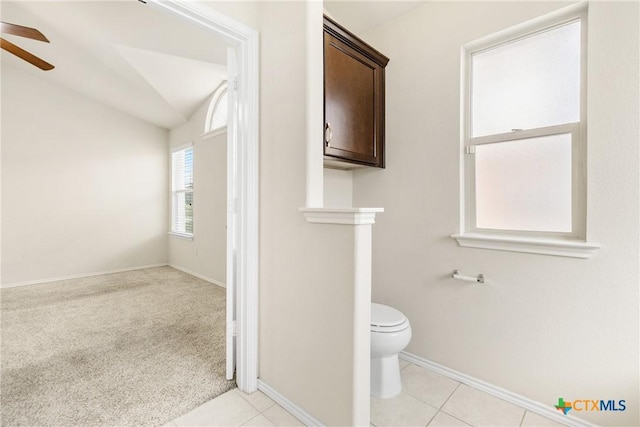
[[140, 61], [124, 54]]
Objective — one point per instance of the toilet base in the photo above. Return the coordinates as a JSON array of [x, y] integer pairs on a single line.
[[385, 377]]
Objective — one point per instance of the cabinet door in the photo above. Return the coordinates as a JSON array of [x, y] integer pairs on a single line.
[[352, 106]]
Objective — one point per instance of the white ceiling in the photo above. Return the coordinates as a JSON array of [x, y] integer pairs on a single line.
[[362, 15], [124, 54], [140, 61]]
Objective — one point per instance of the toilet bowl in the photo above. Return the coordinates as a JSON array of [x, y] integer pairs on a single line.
[[390, 334]]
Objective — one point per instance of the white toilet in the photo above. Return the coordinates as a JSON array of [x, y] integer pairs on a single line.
[[390, 334]]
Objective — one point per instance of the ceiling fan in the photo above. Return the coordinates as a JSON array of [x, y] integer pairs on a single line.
[[30, 33]]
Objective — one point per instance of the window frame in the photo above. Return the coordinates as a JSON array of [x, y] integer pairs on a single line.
[[545, 242], [174, 192], [578, 179], [217, 96]]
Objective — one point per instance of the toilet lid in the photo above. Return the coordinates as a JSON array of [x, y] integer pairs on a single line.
[[385, 316]]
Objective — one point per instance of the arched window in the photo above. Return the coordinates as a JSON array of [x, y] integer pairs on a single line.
[[217, 114]]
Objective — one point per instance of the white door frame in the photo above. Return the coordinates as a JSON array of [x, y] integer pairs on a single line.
[[245, 41], [232, 202]]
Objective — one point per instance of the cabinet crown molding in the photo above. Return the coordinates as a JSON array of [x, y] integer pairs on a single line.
[[353, 41]]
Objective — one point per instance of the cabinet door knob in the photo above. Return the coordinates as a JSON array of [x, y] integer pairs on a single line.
[[327, 134]]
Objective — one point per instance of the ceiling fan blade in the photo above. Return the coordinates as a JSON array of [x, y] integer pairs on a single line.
[[19, 30], [21, 53]]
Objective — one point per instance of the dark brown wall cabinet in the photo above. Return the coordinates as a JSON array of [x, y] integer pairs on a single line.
[[353, 99]]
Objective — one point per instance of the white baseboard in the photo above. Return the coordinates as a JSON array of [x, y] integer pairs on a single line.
[[524, 402], [291, 407], [199, 276], [79, 276]]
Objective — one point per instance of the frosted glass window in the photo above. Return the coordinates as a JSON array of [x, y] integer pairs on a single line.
[[524, 184], [529, 83]]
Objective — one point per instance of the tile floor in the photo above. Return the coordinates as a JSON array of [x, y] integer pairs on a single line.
[[430, 399], [427, 399], [235, 408]]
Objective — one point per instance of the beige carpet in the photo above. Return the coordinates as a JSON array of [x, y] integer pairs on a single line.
[[124, 349]]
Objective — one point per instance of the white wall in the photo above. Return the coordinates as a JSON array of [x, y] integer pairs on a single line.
[[542, 326], [307, 272], [206, 255], [247, 12], [338, 188], [83, 185]]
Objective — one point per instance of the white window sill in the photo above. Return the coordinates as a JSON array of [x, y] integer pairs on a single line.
[[213, 133], [181, 235], [556, 247]]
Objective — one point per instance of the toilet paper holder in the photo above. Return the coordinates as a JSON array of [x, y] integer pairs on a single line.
[[478, 279]]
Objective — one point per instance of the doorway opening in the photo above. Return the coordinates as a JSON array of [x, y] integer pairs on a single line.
[[242, 184]]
